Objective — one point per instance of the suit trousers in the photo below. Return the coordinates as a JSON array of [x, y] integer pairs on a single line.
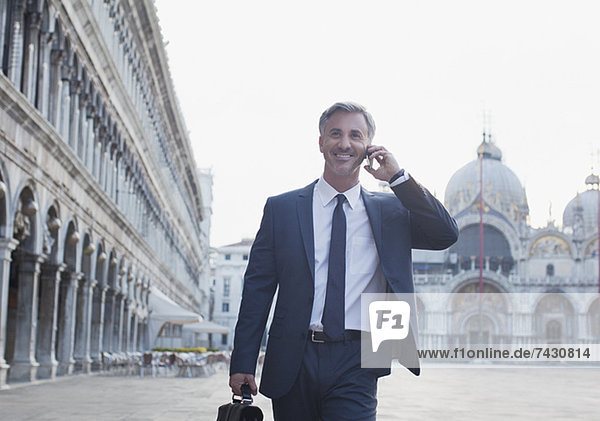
[[330, 386]]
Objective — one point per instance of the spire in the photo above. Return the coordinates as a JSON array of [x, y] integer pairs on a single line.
[[489, 120], [550, 219], [592, 181], [484, 116], [488, 149]]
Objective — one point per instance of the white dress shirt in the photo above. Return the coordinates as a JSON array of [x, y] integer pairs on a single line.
[[363, 271]]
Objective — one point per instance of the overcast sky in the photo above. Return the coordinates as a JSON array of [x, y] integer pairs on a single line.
[[253, 78]]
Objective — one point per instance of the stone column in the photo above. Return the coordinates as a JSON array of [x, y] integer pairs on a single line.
[[33, 22], [3, 23], [7, 245], [15, 38], [48, 320], [68, 305], [74, 92], [127, 326], [83, 361], [81, 140], [145, 340], [55, 88], [118, 338], [134, 334], [43, 82], [65, 100], [98, 308], [24, 366], [90, 136], [109, 317]]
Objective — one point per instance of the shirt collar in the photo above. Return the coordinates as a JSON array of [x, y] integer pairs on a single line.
[[327, 193]]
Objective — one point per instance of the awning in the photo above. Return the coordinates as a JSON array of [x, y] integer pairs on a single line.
[[164, 310], [206, 327]]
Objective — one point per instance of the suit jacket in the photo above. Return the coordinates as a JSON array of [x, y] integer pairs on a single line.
[[282, 257]]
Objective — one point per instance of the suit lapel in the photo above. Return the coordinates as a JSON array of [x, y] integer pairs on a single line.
[[305, 220], [373, 207]]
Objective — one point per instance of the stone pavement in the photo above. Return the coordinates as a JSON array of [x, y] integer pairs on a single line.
[[440, 393]]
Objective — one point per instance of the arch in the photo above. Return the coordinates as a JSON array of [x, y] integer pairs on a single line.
[[26, 216], [52, 231], [70, 249], [467, 297], [113, 270], [508, 230], [120, 275], [496, 247], [87, 251], [497, 281], [101, 262], [550, 245], [593, 318], [491, 310], [553, 313], [480, 328]]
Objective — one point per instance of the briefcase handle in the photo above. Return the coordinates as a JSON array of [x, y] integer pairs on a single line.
[[246, 398]]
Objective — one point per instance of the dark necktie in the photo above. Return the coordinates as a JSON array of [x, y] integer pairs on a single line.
[[333, 312]]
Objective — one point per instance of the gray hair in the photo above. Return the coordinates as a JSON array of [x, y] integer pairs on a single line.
[[349, 107]]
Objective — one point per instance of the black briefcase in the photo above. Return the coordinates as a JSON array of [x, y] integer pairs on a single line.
[[240, 409]]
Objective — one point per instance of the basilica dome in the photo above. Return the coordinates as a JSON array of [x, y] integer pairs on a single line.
[[502, 190], [581, 213]]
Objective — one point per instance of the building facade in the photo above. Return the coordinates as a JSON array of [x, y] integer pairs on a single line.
[[99, 193], [229, 265], [543, 281]]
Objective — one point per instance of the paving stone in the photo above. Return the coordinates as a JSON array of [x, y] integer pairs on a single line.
[[449, 393]]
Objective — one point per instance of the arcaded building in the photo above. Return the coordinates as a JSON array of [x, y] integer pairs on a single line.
[[100, 199]]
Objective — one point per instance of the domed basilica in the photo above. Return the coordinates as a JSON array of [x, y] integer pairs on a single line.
[[549, 273]]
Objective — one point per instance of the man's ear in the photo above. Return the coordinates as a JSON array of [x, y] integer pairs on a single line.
[[321, 144]]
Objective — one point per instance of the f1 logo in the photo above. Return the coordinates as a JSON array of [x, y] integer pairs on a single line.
[[388, 320]]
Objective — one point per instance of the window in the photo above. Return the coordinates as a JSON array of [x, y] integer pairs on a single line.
[[245, 257], [550, 270], [226, 286], [224, 339], [228, 257], [225, 308]]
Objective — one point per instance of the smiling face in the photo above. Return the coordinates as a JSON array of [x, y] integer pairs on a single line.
[[343, 145]]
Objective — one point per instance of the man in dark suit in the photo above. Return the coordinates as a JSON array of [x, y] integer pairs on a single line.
[[320, 248]]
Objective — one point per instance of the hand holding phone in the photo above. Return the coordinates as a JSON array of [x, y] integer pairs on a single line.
[[387, 165]]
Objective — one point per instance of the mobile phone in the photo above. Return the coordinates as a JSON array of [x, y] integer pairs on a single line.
[[368, 158]]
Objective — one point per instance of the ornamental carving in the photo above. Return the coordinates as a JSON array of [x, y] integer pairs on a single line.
[[591, 250], [49, 241], [22, 226]]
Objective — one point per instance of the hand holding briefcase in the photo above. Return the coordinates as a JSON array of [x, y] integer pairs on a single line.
[[240, 409]]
